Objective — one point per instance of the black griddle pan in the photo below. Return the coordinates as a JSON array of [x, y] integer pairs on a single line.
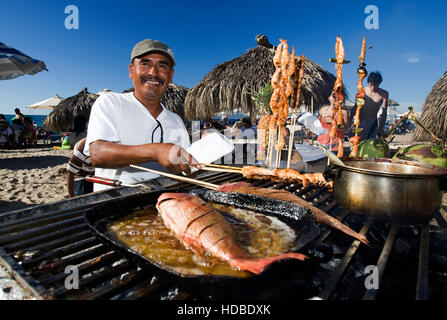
[[100, 217]]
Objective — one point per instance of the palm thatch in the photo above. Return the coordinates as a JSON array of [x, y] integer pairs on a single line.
[[173, 98], [230, 85], [434, 112], [61, 118]]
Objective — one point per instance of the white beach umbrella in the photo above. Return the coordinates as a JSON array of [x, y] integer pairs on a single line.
[[14, 63], [49, 103]]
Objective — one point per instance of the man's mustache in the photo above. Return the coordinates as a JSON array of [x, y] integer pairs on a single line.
[[150, 78]]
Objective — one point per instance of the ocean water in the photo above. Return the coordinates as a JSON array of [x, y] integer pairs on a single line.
[[38, 118]]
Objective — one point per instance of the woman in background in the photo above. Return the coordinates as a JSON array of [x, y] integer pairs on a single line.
[[325, 116]]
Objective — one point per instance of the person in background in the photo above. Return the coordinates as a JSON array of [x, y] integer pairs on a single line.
[[236, 129], [18, 129], [246, 124], [224, 122], [6, 135], [79, 166], [79, 130], [134, 127], [28, 132], [19, 116], [325, 116], [375, 99]]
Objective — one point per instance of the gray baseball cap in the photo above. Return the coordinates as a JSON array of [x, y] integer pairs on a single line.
[[148, 45]]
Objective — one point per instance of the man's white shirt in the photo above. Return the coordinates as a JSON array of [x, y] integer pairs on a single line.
[[122, 119]]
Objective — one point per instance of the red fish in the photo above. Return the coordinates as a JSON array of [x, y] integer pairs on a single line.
[[205, 230]]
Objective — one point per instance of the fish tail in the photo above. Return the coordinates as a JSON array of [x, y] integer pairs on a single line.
[[336, 224], [258, 265]]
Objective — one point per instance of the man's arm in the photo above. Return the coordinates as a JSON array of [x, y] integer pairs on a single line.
[[383, 116], [106, 154], [70, 184]]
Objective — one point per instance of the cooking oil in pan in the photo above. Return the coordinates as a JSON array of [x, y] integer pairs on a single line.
[[259, 235]]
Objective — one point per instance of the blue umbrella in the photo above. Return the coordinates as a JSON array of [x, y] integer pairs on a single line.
[[14, 63]]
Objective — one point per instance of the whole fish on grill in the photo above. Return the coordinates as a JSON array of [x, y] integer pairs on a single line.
[[247, 189], [205, 230]]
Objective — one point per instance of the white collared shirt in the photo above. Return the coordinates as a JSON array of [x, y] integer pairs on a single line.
[[121, 118]]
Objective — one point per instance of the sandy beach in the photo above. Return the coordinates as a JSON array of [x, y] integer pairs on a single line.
[[32, 176], [36, 175]]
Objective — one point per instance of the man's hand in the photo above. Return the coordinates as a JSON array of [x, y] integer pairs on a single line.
[[175, 158]]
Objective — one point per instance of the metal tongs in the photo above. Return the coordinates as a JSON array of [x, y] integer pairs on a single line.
[[114, 183]]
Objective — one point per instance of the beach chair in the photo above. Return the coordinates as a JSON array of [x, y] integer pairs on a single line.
[[51, 137]]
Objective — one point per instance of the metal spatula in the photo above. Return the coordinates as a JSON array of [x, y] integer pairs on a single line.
[[330, 155]]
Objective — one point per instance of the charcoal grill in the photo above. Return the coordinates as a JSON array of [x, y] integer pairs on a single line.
[[38, 244]]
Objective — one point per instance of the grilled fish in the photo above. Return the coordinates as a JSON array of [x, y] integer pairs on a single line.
[[204, 230], [320, 215]]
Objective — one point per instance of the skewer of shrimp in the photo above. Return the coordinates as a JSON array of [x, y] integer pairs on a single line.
[[360, 100]]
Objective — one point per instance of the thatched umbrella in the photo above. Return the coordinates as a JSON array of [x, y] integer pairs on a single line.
[[61, 118], [173, 98], [229, 86], [434, 112], [393, 103]]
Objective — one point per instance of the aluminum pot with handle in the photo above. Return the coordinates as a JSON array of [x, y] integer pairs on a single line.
[[397, 190]]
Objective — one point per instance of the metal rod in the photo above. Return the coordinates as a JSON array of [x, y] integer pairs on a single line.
[[143, 289], [86, 285], [61, 251], [85, 267], [338, 273], [45, 237], [370, 294], [59, 242], [39, 222], [176, 177], [422, 281]]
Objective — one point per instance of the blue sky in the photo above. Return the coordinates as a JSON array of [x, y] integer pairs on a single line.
[[409, 48]]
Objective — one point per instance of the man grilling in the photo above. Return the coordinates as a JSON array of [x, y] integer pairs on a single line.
[[134, 127]]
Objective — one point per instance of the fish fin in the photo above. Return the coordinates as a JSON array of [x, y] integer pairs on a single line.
[[258, 265]]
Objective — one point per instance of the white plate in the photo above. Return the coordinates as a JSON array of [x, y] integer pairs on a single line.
[[210, 148]]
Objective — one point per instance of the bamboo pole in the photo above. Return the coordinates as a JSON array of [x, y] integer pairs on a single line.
[[312, 108], [219, 166], [278, 152], [220, 170]]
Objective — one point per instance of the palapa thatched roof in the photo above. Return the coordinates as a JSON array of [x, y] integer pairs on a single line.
[[61, 118], [228, 86], [434, 112], [173, 98]]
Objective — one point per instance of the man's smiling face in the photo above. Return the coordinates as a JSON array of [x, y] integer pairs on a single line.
[[151, 75]]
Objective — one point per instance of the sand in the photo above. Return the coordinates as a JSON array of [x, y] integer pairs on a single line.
[[32, 176]]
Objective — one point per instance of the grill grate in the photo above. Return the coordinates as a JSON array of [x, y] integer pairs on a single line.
[[37, 249]]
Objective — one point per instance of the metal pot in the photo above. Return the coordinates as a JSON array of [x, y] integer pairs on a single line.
[[398, 190]]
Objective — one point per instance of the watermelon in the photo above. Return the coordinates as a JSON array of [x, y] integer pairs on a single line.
[[374, 148], [431, 154]]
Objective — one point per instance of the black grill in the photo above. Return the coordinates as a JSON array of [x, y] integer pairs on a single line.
[[38, 244]]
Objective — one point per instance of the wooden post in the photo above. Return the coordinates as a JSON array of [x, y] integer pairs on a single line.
[[312, 108]]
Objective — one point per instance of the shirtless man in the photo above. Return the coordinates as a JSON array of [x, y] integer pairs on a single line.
[[375, 99]]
